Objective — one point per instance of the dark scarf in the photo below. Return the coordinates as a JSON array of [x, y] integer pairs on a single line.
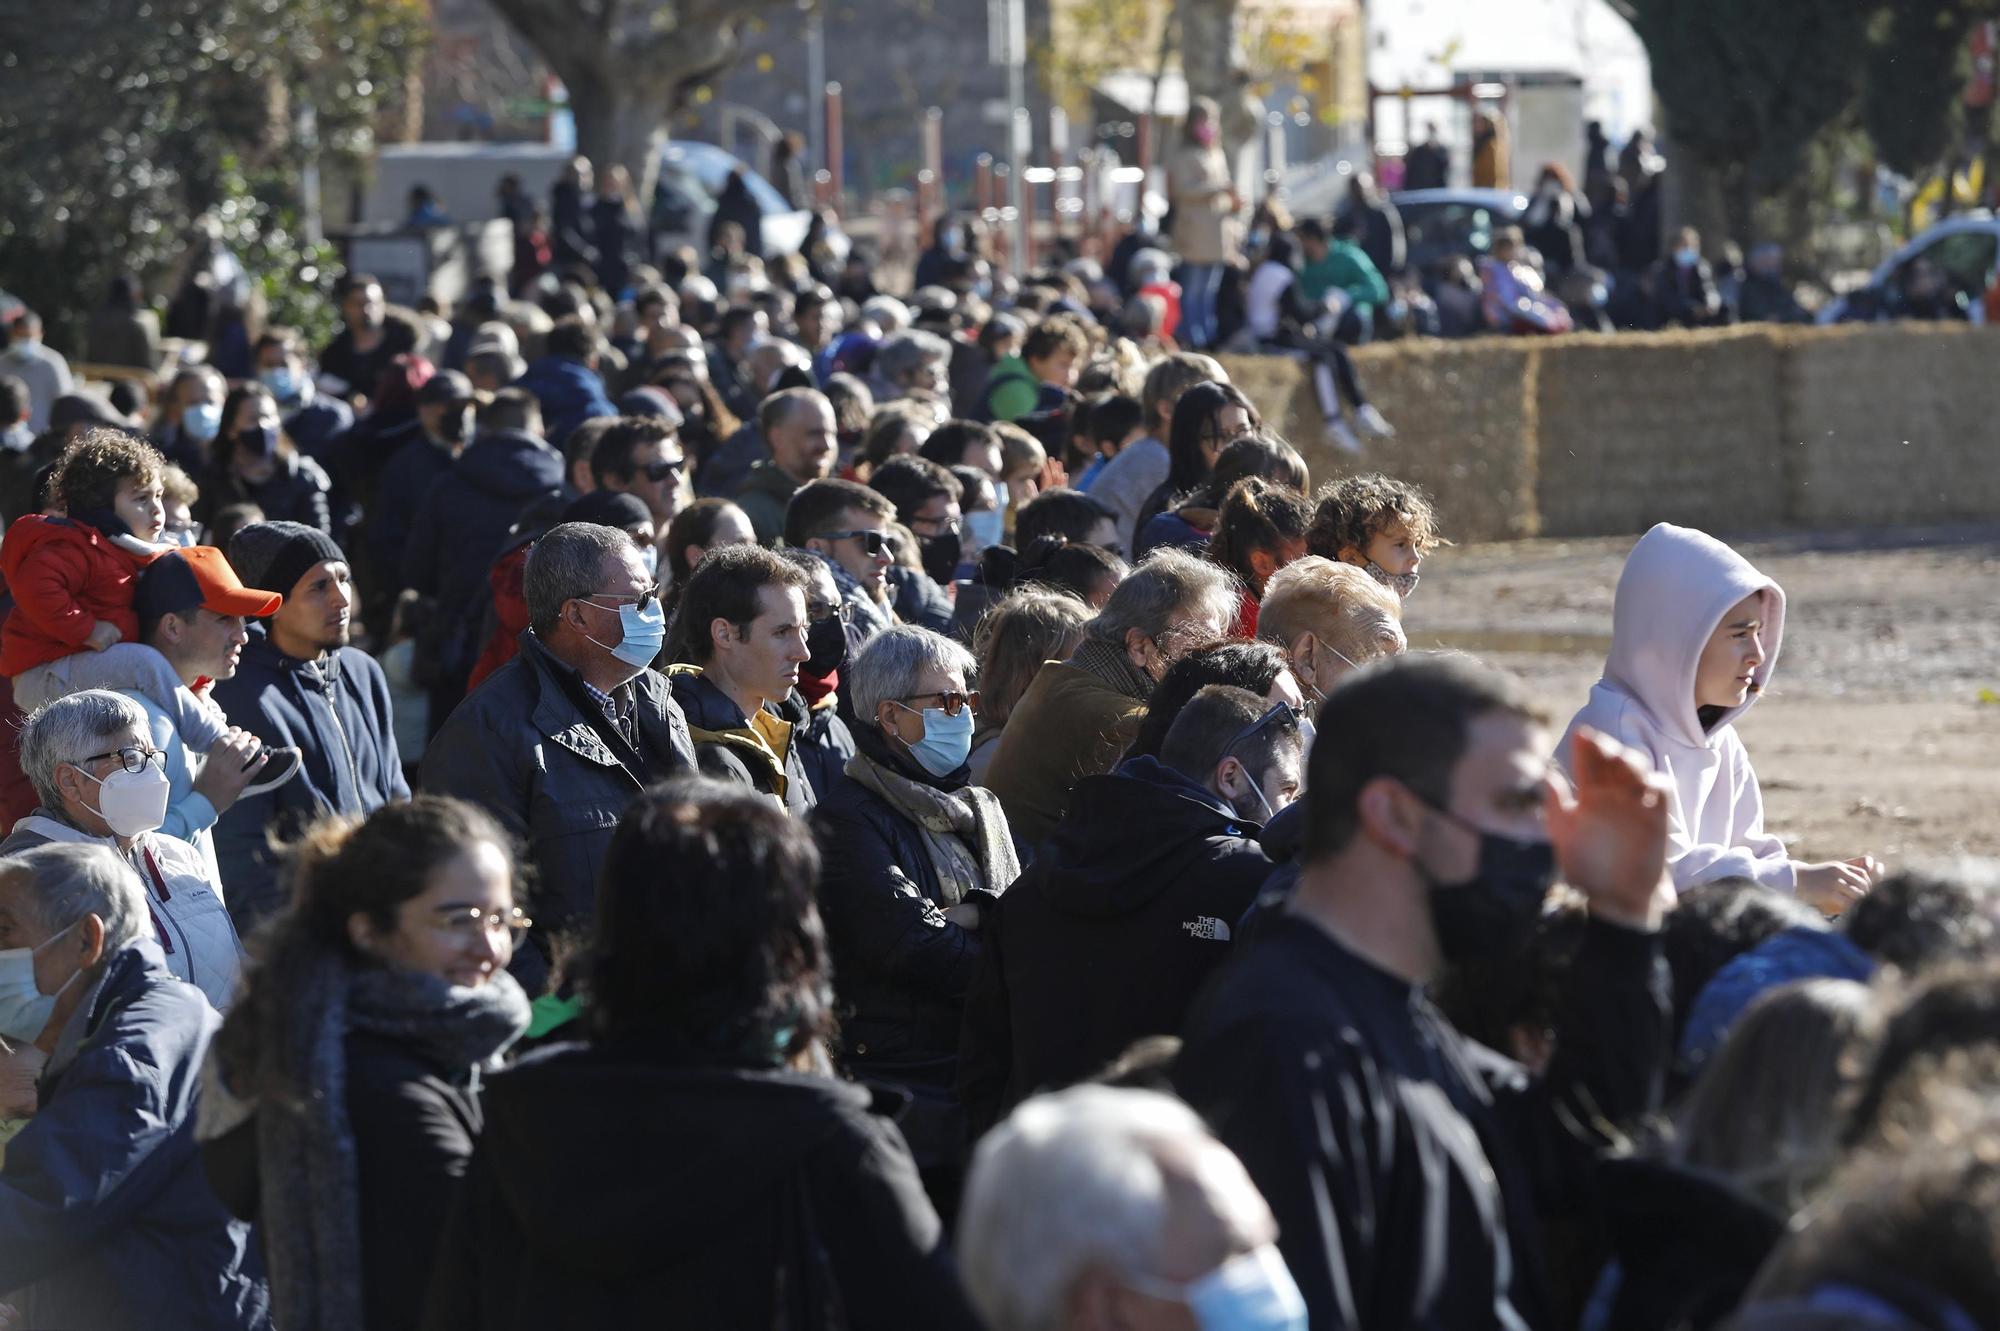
[[1111, 664], [309, 1193]]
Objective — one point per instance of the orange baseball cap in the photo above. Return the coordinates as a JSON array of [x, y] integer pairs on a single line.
[[200, 573]]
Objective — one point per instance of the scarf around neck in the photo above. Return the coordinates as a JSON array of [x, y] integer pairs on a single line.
[[964, 831], [309, 1189], [1112, 665]]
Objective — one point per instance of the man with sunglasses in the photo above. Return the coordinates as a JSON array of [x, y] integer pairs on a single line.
[[800, 432], [556, 742], [642, 456], [100, 781], [847, 525], [1131, 904]]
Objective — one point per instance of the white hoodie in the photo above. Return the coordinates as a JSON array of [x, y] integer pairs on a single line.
[[1675, 589]]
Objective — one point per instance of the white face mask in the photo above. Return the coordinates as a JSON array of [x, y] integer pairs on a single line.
[[132, 802]]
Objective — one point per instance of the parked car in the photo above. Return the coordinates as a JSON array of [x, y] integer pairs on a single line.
[[1963, 251], [1454, 223], [693, 174]]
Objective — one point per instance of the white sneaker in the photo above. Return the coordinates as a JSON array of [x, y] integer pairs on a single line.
[[1372, 423], [1341, 435]]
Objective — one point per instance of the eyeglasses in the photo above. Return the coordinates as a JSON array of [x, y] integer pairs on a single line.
[[468, 922], [651, 593], [872, 542], [951, 702], [1282, 715], [818, 612], [937, 526], [662, 468], [132, 758]]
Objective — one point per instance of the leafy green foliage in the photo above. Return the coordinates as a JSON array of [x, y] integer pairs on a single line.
[[122, 122], [1917, 67]]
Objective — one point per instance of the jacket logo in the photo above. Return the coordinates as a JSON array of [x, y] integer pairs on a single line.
[[1206, 927]]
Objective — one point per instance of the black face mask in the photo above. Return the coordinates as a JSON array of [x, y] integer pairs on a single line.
[[940, 555], [259, 441], [827, 641], [1492, 913], [456, 426]]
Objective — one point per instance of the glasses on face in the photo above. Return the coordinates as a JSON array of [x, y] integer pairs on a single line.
[[1282, 715], [937, 526], [469, 922], [818, 612], [872, 542], [641, 600], [951, 702], [132, 758], [662, 468]]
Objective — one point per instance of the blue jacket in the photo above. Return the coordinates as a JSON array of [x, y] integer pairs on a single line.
[[570, 393], [106, 1220], [1795, 954], [406, 478], [337, 712]]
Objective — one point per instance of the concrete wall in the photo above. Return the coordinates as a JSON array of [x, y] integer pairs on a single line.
[[1730, 430]]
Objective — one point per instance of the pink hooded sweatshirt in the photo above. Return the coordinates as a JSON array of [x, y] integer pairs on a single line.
[[1676, 587]]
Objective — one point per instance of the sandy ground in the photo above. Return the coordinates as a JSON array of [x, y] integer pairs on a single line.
[[1881, 732]]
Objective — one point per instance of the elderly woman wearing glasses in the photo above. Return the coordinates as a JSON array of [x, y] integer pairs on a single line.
[[341, 1099], [90, 757], [910, 850]]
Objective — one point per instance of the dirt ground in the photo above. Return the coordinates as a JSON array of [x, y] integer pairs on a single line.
[[1881, 731]]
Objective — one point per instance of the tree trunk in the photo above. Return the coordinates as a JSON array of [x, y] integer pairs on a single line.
[[623, 122], [1213, 65]]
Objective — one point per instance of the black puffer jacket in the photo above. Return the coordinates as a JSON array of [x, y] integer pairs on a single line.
[[728, 748], [298, 491], [901, 968], [615, 1189], [1107, 937], [821, 740]]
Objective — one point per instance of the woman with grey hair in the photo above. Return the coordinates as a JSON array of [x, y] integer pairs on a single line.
[[99, 781], [1079, 716], [912, 853]]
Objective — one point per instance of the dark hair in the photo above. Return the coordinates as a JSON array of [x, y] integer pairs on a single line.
[[1256, 515], [13, 399], [1311, 228], [1919, 917], [1070, 514], [352, 282], [1111, 416], [571, 339], [1194, 426], [1062, 565], [733, 321], [974, 484], [817, 506], [89, 472], [1714, 923], [1259, 455], [341, 866], [1489, 997], [725, 585], [1210, 727], [1408, 719], [1944, 1035], [693, 525], [1354, 509], [225, 445], [581, 443], [1254, 666], [886, 428], [510, 409], [948, 442], [909, 482], [708, 932], [625, 436], [1053, 335]]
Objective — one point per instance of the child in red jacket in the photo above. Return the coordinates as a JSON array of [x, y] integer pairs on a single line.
[[72, 577]]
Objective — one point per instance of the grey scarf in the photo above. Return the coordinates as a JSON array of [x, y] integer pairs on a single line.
[[1112, 665], [964, 830], [309, 1193]]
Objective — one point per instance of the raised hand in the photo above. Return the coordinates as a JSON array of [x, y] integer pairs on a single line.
[[1610, 831]]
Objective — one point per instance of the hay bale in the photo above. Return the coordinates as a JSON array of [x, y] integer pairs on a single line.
[[1889, 424], [1463, 413], [1661, 427]]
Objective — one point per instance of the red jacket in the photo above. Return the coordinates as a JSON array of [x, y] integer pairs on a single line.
[[65, 575], [510, 609]]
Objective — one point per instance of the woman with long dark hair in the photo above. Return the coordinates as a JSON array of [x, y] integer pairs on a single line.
[[1205, 419], [1259, 529], [1191, 520], [696, 1159], [342, 1096], [253, 461]]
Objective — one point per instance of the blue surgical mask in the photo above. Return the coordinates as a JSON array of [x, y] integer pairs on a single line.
[[24, 1009], [1251, 1291], [649, 555], [284, 385], [983, 529], [645, 632], [202, 422], [947, 740]]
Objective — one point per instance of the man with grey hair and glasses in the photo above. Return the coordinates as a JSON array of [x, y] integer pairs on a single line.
[[99, 781], [558, 741], [105, 1218], [1099, 1207], [1079, 716]]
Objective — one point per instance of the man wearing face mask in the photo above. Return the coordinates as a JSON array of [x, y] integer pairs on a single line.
[[100, 781], [927, 498], [424, 451], [190, 418], [1132, 903], [1329, 619], [819, 733], [105, 1218], [556, 742], [313, 420], [1411, 1170], [740, 638]]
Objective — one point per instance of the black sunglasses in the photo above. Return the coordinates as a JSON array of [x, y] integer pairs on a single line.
[[1282, 714], [872, 542], [662, 468]]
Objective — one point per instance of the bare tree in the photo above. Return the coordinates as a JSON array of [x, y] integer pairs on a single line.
[[1212, 61], [629, 65]]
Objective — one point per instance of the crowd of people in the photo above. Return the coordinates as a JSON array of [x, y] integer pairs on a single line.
[[756, 802]]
